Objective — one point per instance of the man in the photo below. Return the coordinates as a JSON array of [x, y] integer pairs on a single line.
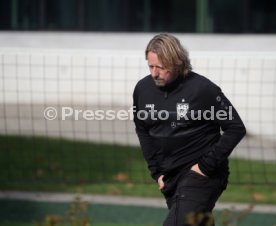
[[187, 129]]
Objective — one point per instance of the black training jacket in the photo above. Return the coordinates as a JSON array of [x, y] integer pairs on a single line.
[[179, 138]]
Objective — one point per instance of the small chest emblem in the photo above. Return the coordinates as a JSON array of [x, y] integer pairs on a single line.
[[149, 106], [182, 109]]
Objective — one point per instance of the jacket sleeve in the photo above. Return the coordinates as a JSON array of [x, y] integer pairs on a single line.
[[232, 127], [148, 146]]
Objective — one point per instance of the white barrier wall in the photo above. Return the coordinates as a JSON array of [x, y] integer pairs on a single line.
[[134, 41]]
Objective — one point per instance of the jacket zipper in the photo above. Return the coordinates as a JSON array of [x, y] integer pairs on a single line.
[[166, 95]]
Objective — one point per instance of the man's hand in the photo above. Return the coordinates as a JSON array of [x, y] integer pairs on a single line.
[[161, 182], [196, 169]]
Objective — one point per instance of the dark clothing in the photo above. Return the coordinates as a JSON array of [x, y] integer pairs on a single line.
[[189, 135], [193, 201], [174, 145]]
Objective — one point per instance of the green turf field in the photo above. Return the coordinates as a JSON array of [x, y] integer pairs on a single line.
[[48, 164]]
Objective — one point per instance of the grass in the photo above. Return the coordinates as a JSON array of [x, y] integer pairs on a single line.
[[30, 224], [49, 164]]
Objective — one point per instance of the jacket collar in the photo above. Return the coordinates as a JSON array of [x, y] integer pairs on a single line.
[[173, 85]]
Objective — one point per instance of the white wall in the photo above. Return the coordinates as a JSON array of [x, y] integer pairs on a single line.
[[134, 41]]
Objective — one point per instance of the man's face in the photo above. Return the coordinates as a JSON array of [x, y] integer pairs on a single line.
[[160, 75]]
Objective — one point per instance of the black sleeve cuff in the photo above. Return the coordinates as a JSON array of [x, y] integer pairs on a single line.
[[156, 176]]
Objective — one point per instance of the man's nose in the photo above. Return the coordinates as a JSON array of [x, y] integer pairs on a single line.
[[155, 72]]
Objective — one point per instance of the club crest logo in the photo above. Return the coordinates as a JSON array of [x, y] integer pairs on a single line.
[[182, 109]]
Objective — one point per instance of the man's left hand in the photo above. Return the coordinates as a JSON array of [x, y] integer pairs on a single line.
[[196, 169]]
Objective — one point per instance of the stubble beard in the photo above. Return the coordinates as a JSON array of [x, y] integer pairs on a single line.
[[159, 82]]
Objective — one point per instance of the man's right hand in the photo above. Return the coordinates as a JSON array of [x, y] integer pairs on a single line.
[[161, 182]]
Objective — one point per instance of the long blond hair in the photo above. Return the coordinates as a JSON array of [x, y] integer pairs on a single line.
[[173, 56]]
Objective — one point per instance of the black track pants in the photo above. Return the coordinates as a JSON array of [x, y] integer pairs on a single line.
[[193, 201]]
